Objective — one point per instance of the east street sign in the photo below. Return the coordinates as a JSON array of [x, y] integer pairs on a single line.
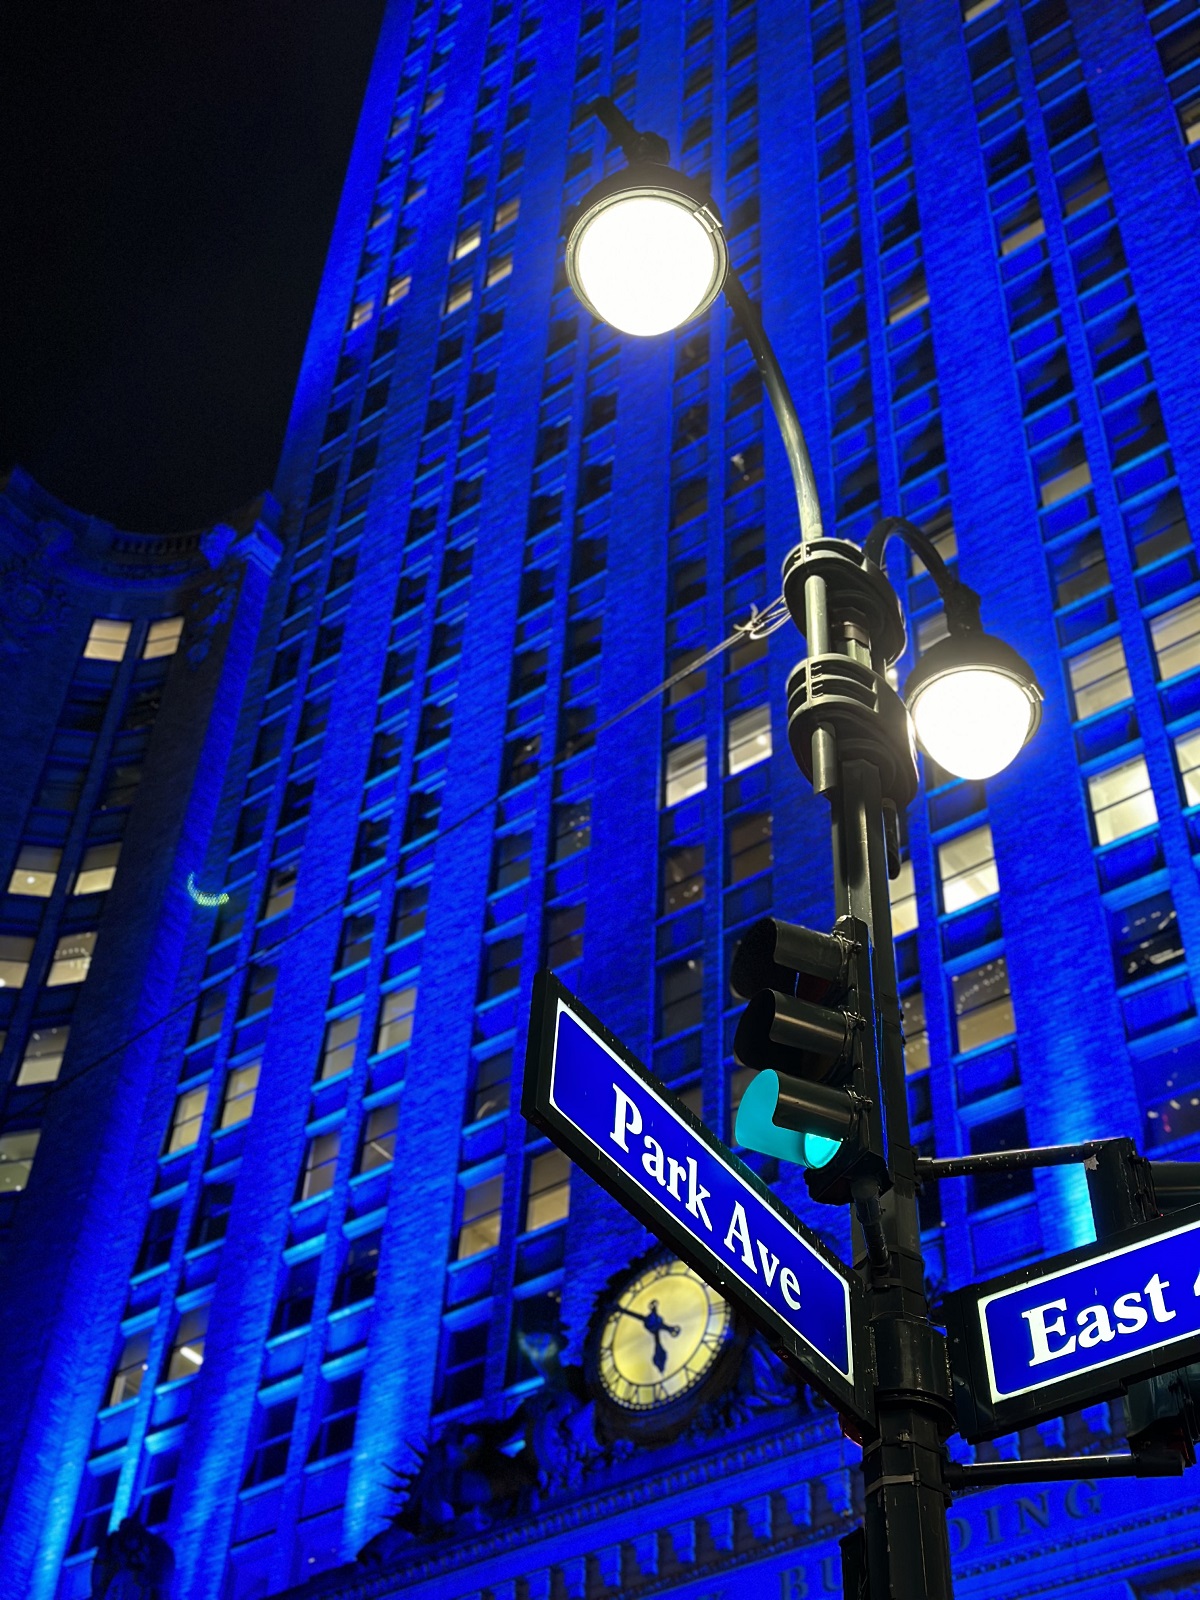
[[637, 1139], [1076, 1329]]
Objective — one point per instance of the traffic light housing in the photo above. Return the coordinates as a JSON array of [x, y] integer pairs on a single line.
[[809, 1028]]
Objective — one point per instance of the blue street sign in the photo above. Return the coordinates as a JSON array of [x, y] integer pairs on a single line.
[[1078, 1328], [637, 1139]]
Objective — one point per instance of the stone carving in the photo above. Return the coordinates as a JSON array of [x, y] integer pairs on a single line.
[[212, 607], [132, 1563], [32, 603]]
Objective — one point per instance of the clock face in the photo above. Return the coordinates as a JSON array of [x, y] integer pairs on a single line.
[[662, 1335]]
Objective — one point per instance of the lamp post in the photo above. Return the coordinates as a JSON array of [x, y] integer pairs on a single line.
[[645, 251]]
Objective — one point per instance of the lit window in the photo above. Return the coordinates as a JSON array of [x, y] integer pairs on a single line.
[[902, 892], [1065, 483], [479, 1229], [17, 1151], [398, 288], [682, 877], [493, 1086], [43, 1058], [499, 269], [941, 531], [163, 638], [341, 1037], [379, 1138], [680, 996], [320, 1164], [35, 871], [186, 1355], [748, 739], [968, 869], [548, 1190], [686, 772], [1176, 636], [362, 313], [1189, 121], [909, 296], [751, 847], [186, 1120], [130, 1368], [507, 213], [1187, 755], [983, 1009], [281, 890], [976, 8], [1023, 235], [916, 1036], [14, 960], [396, 1018], [1122, 800], [98, 869], [468, 240], [930, 630], [459, 296], [72, 959], [107, 639], [1099, 678], [240, 1089]]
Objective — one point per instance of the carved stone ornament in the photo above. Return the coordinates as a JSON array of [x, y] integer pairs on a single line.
[[32, 603], [132, 1563]]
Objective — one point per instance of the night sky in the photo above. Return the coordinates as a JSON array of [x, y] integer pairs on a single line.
[[170, 177]]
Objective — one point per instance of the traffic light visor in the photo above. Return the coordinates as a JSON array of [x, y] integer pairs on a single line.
[[757, 1129]]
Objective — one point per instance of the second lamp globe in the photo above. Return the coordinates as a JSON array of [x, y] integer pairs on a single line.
[[645, 251]]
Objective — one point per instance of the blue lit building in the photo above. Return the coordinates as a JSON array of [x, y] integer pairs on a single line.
[[275, 1231]]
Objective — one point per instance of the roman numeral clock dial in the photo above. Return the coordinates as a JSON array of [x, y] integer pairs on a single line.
[[661, 1344]]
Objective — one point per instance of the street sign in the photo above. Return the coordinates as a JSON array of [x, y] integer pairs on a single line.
[[641, 1143], [1076, 1329]]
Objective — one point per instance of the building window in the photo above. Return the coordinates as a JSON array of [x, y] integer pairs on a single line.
[[751, 849], [1187, 758], [983, 1009], [355, 946], [35, 871], [748, 739], [1122, 800], [186, 1120], [17, 1151], [97, 1498], [241, 1087], [14, 960], [1004, 1133], [295, 1304], [916, 1035], [459, 296], [507, 212], [572, 828], [501, 967], [210, 1013], [398, 288], [564, 935], [98, 869], [686, 772], [682, 877], [360, 1272], [493, 1086], [378, 1148], [499, 269], [130, 1369], [43, 1057], [967, 866], [479, 1225], [259, 994], [510, 861], [1176, 638], [680, 995], [336, 1432], [1145, 937], [163, 638], [468, 240], [337, 1053], [212, 1214], [464, 1358], [186, 1355], [547, 1189], [162, 1469], [1099, 678], [158, 1238], [281, 890], [396, 1011], [72, 959], [408, 913], [274, 1439], [902, 892], [320, 1164], [107, 639]]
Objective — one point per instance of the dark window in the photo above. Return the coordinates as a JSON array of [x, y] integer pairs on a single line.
[[212, 1214], [510, 860], [456, 564], [329, 642], [492, 1087], [595, 481], [464, 1356], [501, 967], [750, 846], [572, 828], [435, 723], [691, 354], [398, 669], [680, 995], [521, 760], [537, 588], [588, 559], [424, 808], [269, 1459], [294, 1307], [259, 993], [602, 409], [682, 877], [746, 552], [313, 717], [210, 1013], [583, 641], [356, 1281], [386, 750], [564, 935], [408, 914], [96, 1499], [371, 844], [1145, 937], [158, 1238], [577, 730], [687, 583], [529, 673], [336, 1431], [745, 468], [297, 801], [1005, 1133], [355, 945]]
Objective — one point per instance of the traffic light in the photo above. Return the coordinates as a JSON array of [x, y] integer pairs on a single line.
[[809, 1028]]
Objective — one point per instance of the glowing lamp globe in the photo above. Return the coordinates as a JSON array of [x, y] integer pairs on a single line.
[[645, 251], [975, 704]]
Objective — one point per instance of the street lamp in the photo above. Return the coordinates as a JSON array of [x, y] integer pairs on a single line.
[[645, 251]]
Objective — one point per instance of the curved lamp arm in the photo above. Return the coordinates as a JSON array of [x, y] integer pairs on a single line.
[[652, 147], [961, 601]]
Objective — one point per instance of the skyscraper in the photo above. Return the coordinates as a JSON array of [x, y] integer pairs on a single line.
[[278, 1234]]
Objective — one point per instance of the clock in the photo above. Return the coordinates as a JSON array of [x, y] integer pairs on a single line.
[[661, 1344]]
